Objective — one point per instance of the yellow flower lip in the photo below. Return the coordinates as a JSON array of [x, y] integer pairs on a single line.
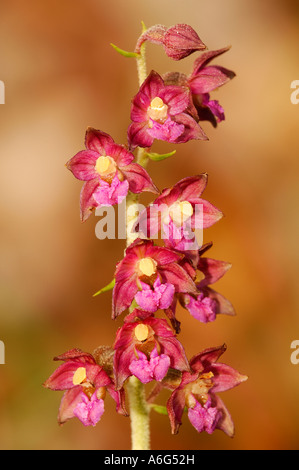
[[147, 266], [105, 165], [157, 110], [181, 211], [79, 376], [141, 332]]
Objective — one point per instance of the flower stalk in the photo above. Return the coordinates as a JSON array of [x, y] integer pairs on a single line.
[[139, 410], [139, 415]]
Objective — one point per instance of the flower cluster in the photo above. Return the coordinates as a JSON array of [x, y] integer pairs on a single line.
[[152, 280]]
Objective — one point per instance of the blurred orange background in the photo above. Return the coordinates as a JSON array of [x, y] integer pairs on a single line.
[[61, 76]]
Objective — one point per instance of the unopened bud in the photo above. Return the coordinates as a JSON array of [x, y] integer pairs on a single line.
[[180, 41]]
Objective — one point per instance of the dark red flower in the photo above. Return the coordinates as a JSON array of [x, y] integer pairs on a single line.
[[85, 383], [146, 347], [108, 171], [178, 212], [159, 112], [207, 303], [197, 391], [144, 263], [203, 79]]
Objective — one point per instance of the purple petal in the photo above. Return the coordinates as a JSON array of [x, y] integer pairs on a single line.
[[166, 293], [156, 368], [176, 98], [176, 275], [152, 85], [216, 109], [202, 308], [77, 355], [152, 300], [160, 365], [204, 418], [98, 141], [62, 377], [169, 131], [172, 347], [121, 155], [146, 299], [124, 347], [87, 201], [192, 186], [206, 358], [90, 411], [138, 135], [175, 409], [212, 269], [208, 213], [205, 58], [119, 397], [225, 377], [179, 238], [69, 401], [140, 103], [192, 129], [82, 165], [138, 179], [208, 79], [123, 295], [163, 256], [225, 423], [223, 305], [108, 195]]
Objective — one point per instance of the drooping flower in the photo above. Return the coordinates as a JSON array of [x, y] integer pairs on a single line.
[[179, 41], [145, 263], [159, 112], [146, 347], [198, 392], [85, 384], [178, 212], [203, 79], [108, 171], [207, 303]]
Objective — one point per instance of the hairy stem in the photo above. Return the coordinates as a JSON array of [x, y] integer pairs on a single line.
[[139, 415]]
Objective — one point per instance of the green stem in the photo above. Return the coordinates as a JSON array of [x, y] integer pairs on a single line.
[[139, 410], [139, 415]]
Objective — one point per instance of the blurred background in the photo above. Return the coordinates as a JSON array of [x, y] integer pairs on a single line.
[[61, 76]]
